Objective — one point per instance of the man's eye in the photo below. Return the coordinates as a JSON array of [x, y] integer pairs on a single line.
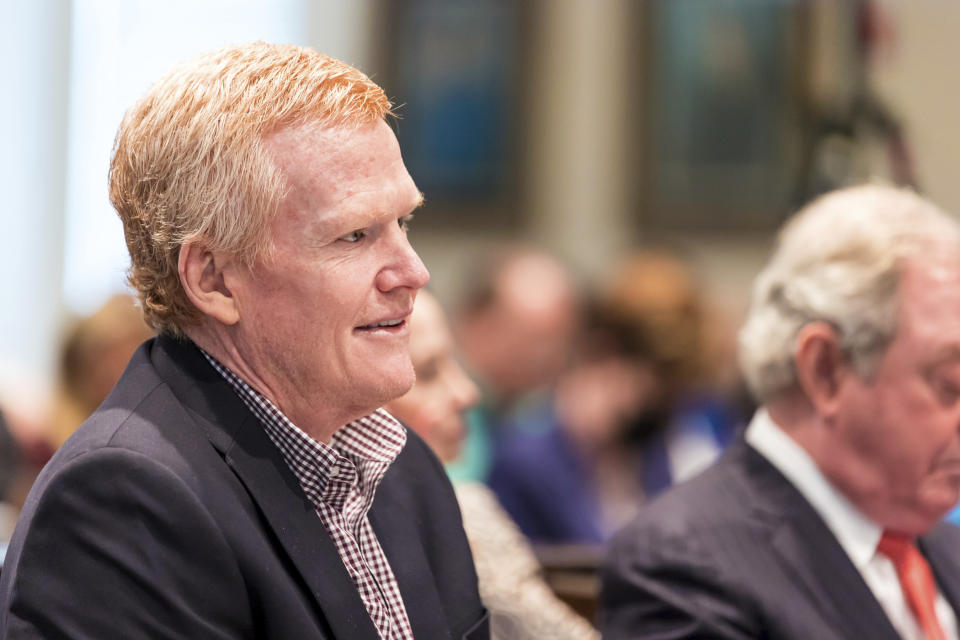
[[353, 236], [948, 391], [404, 222]]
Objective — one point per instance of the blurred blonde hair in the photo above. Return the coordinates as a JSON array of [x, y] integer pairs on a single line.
[[189, 162], [652, 305], [93, 355]]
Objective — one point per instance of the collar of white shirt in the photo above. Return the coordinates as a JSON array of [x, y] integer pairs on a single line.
[[856, 533]]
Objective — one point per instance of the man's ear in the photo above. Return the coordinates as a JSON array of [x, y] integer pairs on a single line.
[[202, 277], [821, 365]]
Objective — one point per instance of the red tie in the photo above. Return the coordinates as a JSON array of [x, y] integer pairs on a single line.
[[916, 580]]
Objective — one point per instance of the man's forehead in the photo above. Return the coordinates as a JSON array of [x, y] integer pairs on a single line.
[[356, 170], [289, 145], [939, 266], [930, 301]]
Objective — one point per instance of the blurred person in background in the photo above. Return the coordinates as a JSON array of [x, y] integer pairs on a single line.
[[515, 326], [23, 452], [824, 521], [24, 448], [522, 606], [24, 442], [94, 354], [654, 308], [634, 414]]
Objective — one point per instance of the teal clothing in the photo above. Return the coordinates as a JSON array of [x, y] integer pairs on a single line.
[[476, 454]]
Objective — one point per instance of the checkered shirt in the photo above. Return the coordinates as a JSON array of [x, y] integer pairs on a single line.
[[340, 480]]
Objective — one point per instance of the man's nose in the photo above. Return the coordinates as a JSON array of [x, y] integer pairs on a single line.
[[405, 268], [465, 391]]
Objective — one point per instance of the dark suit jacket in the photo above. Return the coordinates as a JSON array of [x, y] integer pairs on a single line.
[[737, 552], [170, 514]]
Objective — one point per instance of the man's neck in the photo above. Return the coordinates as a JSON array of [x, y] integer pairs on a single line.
[[843, 464], [317, 424], [857, 533]]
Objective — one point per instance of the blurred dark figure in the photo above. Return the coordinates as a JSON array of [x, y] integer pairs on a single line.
[[515, 326], [10, 464], [635, 413], [9, 458], [23, 450], [838, 134]]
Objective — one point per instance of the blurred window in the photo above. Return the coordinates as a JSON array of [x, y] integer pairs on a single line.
[[117, 49]]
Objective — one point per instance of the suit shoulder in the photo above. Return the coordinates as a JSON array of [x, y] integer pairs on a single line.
[[675, 565], [96, 494], [144, 414], [138, 389], [105, 478], [115, 520]]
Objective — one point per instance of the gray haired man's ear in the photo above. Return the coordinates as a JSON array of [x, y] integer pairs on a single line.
[[821, 363]]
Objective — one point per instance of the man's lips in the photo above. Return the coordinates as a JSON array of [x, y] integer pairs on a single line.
[[387, 324]]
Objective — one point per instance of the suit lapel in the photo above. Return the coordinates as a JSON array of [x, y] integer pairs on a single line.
[[812, 554], [830, 579], [396, 530], [240, 438]]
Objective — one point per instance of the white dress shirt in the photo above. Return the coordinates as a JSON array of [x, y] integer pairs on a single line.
[[856, 533]]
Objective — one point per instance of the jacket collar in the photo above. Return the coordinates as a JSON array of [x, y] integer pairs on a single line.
[[810, 552], [245, 447]]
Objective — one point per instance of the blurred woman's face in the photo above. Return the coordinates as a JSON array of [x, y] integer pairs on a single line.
[[434, 406]]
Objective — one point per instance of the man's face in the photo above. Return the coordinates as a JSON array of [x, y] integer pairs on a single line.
[[434, 406], [898, 434], [521, 341], [324, 320]]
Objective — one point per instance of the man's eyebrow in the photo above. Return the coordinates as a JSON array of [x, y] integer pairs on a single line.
[[420, 202]]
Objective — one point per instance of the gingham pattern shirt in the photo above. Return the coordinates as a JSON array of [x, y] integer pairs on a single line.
[[340, 481]]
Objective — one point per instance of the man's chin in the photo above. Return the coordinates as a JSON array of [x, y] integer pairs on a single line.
[[397, 383]]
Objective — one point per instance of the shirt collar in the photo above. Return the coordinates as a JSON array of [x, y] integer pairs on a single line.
[[360, 451], [856, 533]]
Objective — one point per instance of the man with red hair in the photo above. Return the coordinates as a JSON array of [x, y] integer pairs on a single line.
[[241, 481]]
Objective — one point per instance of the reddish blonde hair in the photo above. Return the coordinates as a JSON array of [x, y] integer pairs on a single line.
[[189, 162]]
